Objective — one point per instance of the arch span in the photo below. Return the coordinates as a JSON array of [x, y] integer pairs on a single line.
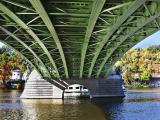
[[76, 39]]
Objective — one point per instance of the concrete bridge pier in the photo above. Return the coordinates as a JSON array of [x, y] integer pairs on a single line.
[[36, 87]]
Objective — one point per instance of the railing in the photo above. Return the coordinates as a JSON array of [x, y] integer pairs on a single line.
[[58, 83]]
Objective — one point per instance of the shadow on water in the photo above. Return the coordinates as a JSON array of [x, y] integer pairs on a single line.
[[109, 106], [137, 105]]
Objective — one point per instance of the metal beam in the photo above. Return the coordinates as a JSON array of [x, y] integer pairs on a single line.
[[151, 14], [119, 22], [16, 4], [116, 7], [18, 29], [57, 14], [14, 17], [96, 10], [43, 14], [152, 18], [122, 53], [27, 47]]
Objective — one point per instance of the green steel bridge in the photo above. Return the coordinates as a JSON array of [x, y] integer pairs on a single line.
[[76, 39]]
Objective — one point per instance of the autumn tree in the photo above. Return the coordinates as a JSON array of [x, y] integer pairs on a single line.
[[139, 61]]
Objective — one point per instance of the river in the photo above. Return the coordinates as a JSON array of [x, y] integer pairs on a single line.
[[137, 105]]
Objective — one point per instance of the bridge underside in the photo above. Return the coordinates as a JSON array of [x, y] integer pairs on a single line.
[[76, 38]]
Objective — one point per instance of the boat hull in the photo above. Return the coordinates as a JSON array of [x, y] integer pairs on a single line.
[[15, 85], [76, 95]]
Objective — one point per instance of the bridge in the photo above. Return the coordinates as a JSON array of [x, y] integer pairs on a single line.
[[76, 39]]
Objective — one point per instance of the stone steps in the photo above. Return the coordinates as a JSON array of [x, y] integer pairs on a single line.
[[36, 87], [41, 89]]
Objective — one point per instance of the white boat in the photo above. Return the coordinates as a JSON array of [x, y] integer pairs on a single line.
[[124, 89], [76, 91]]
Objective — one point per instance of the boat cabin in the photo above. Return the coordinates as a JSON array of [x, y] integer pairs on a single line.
[[76, 91], [16, 74], [76, 87]]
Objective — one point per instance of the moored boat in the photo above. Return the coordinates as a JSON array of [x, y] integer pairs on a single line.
[[76, 91], [16, 81], [15, 84]]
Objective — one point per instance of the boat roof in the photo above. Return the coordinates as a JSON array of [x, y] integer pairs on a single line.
[[75, 85]]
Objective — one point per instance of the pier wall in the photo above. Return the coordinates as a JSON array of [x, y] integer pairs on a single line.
[[36, 87], [109, 87]]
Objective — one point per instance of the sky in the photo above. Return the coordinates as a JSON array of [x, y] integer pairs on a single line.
[[154, 39], [1, 44]]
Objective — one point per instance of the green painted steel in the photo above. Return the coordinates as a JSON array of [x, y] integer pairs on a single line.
[[40, 9], [76, 39], [119, 22], [17, 4], [96, 9], [30, 32], [27, 47], [147, 21]]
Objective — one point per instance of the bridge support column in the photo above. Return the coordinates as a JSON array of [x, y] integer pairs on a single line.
[[36, 87], [99, 88]]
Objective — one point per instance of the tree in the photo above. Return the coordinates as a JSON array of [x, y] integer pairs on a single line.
[[140, 61], [145, 75], [8, 61]]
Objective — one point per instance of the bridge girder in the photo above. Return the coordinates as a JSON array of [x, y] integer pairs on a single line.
[[40, 9], [76, 39], [27, 47], [96, 9], [149, 20], [119, 22], [29, 31]]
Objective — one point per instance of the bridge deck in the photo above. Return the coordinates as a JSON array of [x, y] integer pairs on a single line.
[[78, 39]]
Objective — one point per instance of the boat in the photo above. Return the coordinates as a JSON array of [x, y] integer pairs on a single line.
[[15, 84], [76, 91], [16, 81], [124, 89]]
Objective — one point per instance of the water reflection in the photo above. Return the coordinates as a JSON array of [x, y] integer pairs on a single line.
[[61, 110], [14, 108], [137, 105]]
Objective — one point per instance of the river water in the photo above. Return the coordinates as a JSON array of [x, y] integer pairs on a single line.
[[137, 105]]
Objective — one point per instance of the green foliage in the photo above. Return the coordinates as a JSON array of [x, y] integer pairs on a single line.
[[139, 62], [145, 75], [8, 61]]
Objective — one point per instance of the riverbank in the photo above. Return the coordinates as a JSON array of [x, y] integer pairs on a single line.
[[135, 86], [153, 83], [138, 86]]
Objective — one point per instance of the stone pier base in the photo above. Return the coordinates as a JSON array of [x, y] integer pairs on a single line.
[[41, 89], [36, 87], [109, 87]]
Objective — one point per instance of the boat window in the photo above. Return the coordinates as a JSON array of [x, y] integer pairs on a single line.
[[84, 88], [77, 87], [70, 87]]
